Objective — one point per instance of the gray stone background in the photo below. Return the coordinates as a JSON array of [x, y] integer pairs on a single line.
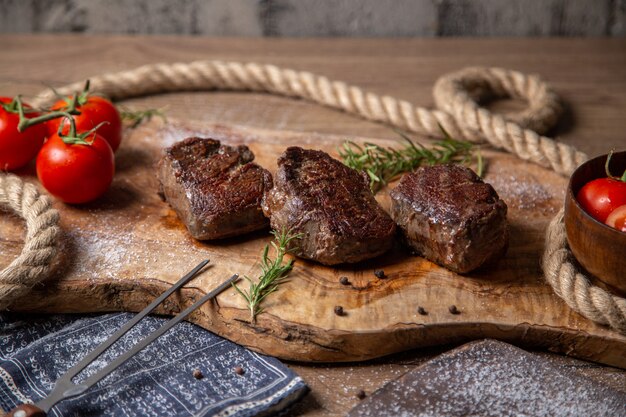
[[367, 18]]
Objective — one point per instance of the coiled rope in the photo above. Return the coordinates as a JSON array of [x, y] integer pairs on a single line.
[[573, 286], [457, 96], [40, 246]]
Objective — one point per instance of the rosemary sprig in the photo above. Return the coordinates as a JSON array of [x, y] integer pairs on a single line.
[[274, 273], [137, 117], [480, 165], [383, 164]]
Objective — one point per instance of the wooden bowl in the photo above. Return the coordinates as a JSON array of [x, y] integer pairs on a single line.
[[599, 248]]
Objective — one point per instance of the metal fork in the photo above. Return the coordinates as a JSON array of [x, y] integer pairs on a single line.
[[64, 387]]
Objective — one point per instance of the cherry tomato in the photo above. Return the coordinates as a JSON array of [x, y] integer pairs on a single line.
[[76, 173], [617, 218], [93, 111], [601, 196], [18, 148]]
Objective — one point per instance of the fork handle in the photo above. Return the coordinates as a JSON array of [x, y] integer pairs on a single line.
[[26, 410]]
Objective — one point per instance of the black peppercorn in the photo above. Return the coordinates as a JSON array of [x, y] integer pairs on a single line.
[[421, 311], [380, 274], [339, 310], [360, 394], [453, 309], [344, 281]]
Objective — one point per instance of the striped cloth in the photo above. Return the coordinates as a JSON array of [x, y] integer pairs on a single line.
[[159, 381]]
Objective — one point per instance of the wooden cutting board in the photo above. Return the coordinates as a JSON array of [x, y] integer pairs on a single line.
[[124, 249]]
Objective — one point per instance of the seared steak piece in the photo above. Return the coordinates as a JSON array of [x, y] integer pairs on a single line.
[[331, 205], [450, 216], [215, 189]]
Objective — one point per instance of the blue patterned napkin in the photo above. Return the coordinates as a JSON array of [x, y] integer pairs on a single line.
[[159, 381]]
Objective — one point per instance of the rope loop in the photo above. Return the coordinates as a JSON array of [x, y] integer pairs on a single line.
[[470, 86], [40, 246], [460, 93]]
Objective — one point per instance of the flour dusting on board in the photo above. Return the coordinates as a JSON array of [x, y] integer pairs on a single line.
[[169, 135], [172, 133], [490, 378], [114, 254], [525, 194], [522, 193]]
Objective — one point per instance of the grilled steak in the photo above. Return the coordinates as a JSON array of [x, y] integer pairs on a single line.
[[331, 205], [450, 216], [215, 189]]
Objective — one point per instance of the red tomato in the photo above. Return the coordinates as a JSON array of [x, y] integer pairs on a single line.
[[601, 196], [76, 173], [93, 111], [18, 148], [617, 218]]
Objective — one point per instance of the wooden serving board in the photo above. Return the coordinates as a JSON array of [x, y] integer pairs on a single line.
[[124, 249]]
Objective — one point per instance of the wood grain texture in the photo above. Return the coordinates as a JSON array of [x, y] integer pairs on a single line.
[[366, 18], [525, 17], [124, 248], [588, 74]]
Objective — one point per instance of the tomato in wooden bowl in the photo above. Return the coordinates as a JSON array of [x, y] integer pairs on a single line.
[[598, 247]]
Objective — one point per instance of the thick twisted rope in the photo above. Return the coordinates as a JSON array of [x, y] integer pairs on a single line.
[[571, 285], [40, 245], [456, 95]]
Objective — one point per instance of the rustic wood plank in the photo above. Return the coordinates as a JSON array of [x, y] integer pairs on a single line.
[[525, 18], [17, 16], [587, 73], [121, 249], [618, 18], [370, 18]]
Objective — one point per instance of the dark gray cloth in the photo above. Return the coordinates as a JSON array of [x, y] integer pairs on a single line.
[[36, 350]]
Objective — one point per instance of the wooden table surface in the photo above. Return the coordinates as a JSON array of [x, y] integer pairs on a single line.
[[589, 74]]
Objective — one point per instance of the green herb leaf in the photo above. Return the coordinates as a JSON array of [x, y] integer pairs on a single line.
[[274, 273], [137, 117], [383, 165]]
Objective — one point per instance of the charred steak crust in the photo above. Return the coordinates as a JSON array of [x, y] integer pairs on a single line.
[[331, 205], [450, 216], [215, 189]]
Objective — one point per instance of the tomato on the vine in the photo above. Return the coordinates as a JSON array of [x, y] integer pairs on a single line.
[[75, 172], [93, 111], [17, 148]]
